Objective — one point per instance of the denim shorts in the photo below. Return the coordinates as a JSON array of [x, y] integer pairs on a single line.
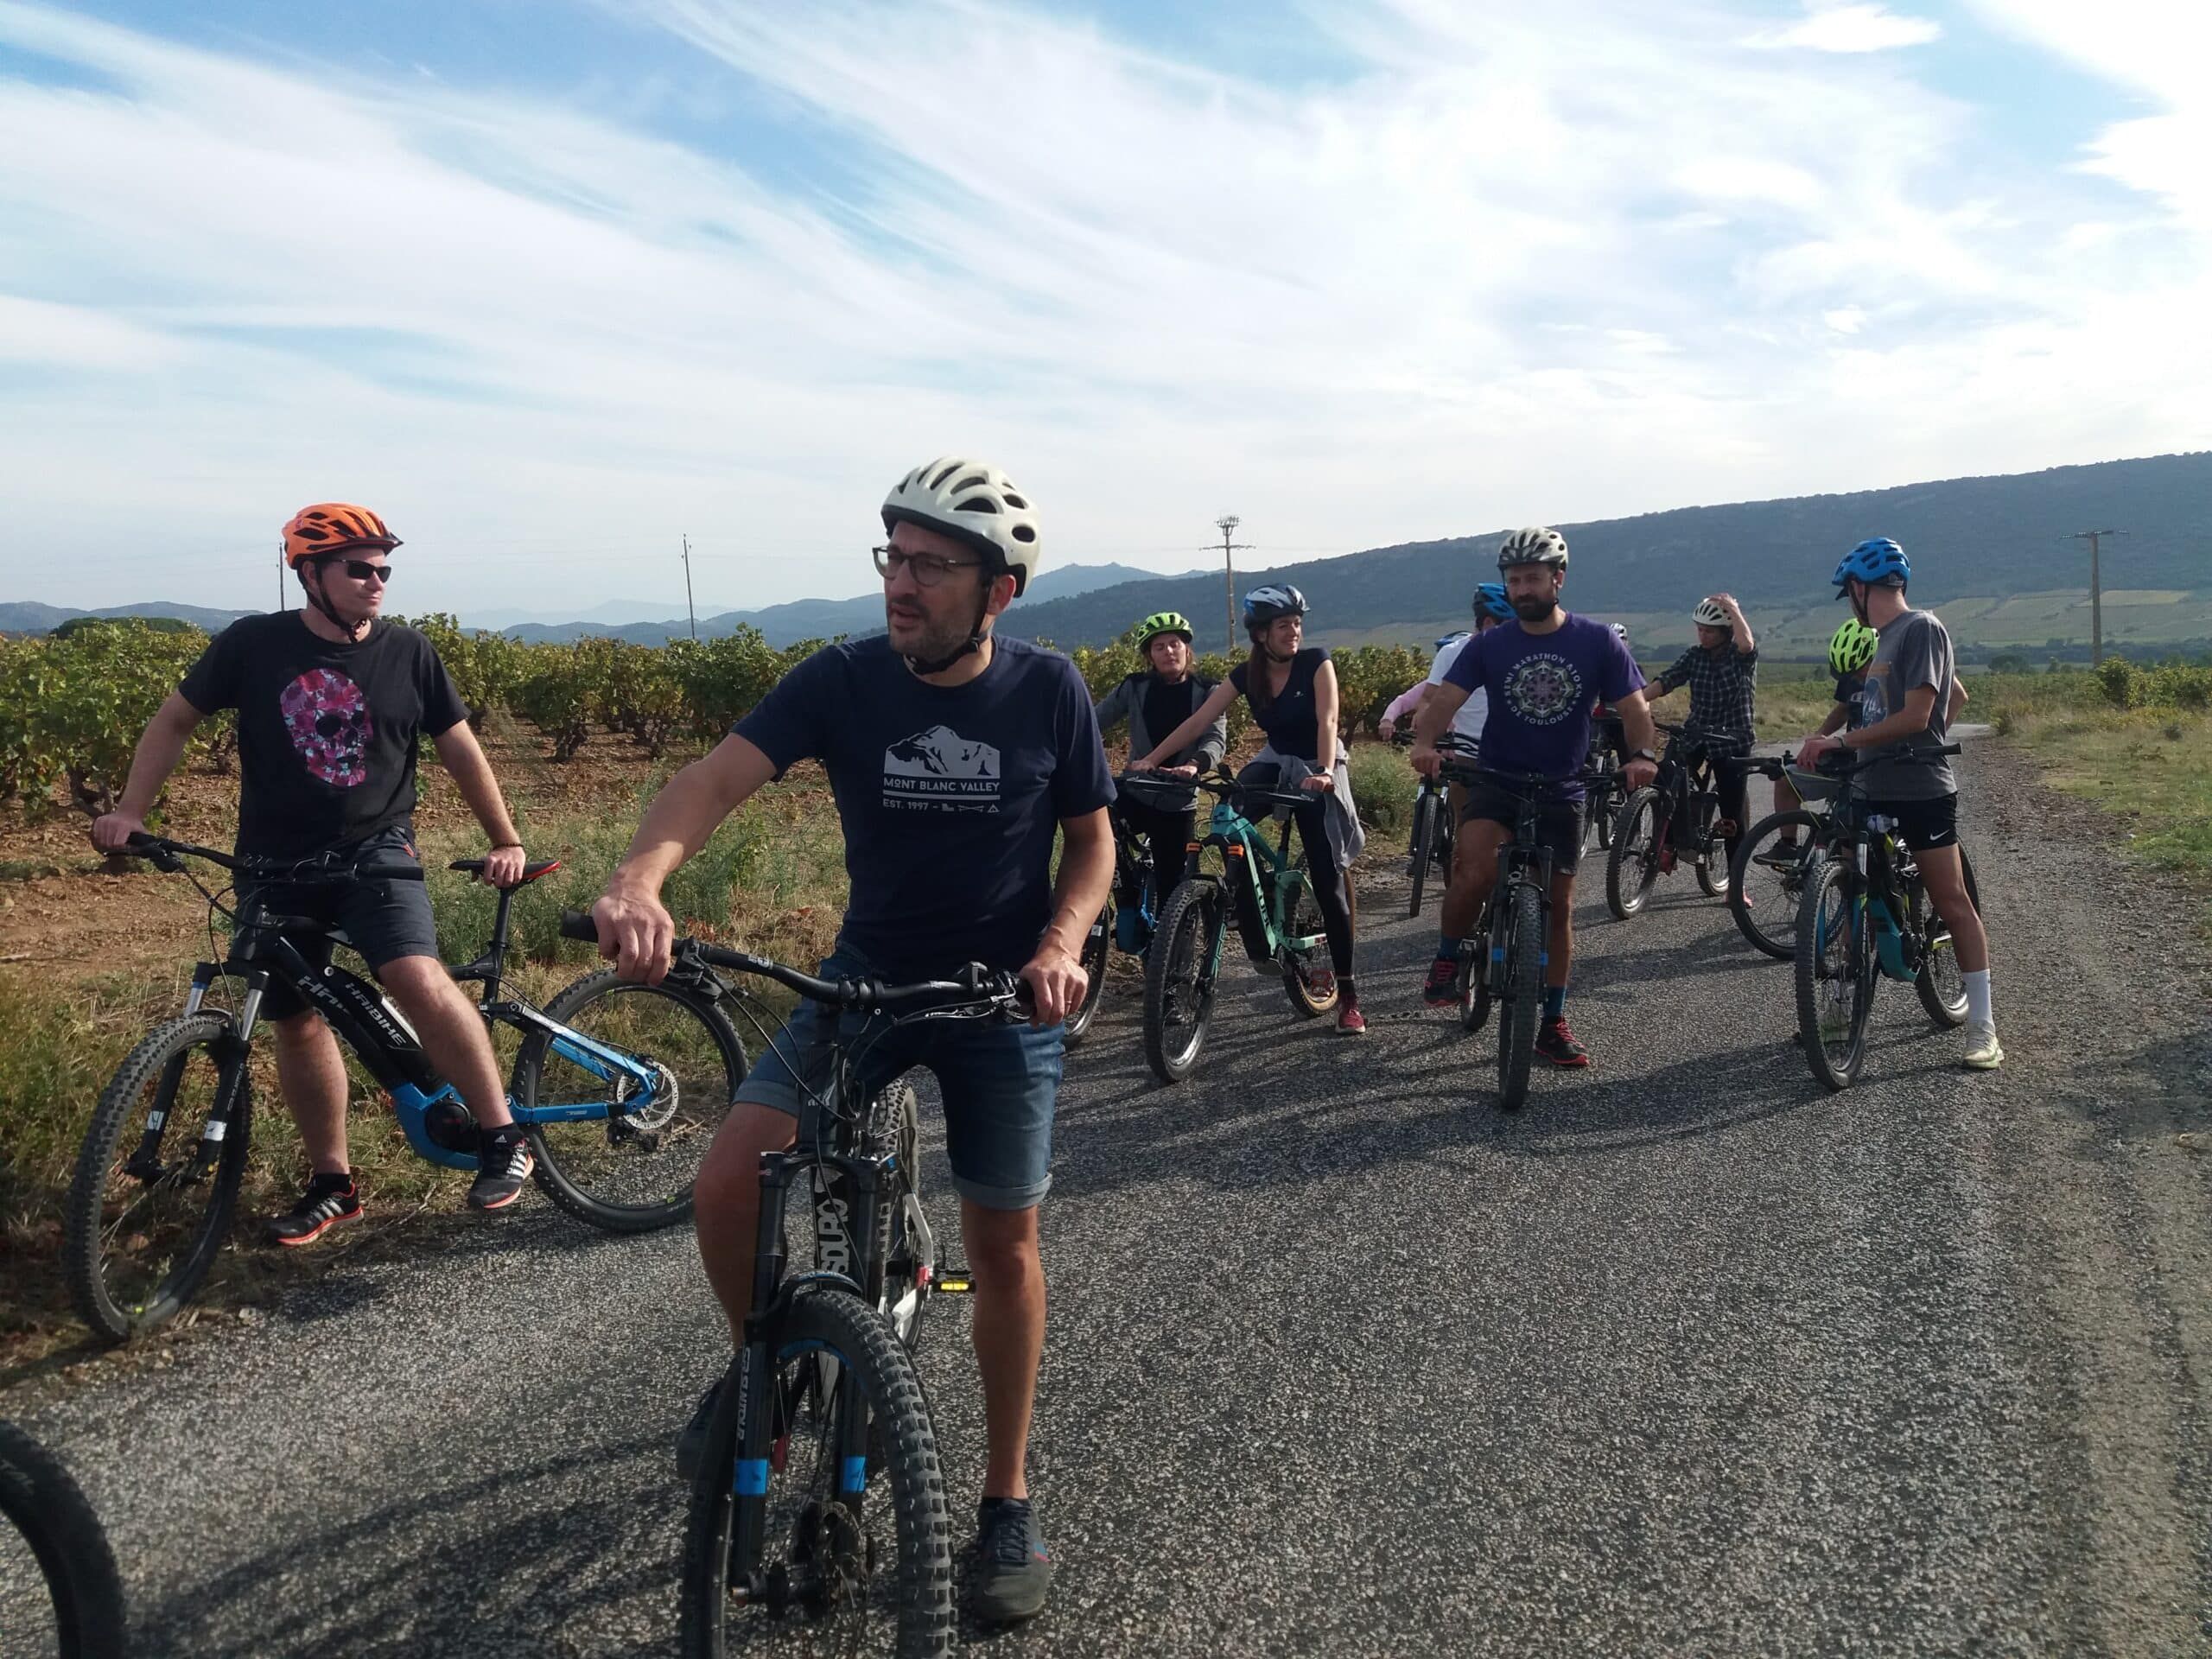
[[998, 1080], [382, 921]]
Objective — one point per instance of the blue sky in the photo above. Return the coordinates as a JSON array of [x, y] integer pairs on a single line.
[[553, 284]]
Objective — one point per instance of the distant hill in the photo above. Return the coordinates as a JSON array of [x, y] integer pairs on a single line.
[[1978, 539], [28, 617]]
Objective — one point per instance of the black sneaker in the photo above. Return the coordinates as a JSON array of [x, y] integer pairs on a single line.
[[503, 1164], [691, 1444], [329, 1200], [1441, 988], [1556, 1044], [1011, 1569]]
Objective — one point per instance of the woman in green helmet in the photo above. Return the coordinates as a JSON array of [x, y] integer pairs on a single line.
[[1155, 701]]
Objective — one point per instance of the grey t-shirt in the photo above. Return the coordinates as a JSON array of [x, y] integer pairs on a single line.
[[1915, 649]]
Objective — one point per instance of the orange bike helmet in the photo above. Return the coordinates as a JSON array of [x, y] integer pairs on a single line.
[[331, 527]]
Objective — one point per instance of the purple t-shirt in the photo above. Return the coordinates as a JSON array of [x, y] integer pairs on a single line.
[[1540, 688]]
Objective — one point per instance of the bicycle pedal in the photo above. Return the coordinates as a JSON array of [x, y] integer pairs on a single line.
[[954, 1281]]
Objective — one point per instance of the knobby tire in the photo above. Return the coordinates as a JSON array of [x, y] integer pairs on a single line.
[[1176, 971], [1522, 1005]]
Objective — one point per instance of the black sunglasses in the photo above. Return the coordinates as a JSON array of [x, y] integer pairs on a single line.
[[363, 570]]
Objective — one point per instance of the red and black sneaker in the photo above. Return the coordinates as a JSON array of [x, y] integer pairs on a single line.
[[1556, 1044], [503, 1164], [1441, 988], [329, 1200], [1351, 1022]]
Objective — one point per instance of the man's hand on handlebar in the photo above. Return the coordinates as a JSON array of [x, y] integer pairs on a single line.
[[636, 933], [1057, 985], [1810, 751], [1425, 759], [1638, 774], [113, 830]]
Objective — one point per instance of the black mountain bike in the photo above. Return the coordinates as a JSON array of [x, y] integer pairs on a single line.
[[48, 1509], [1676, 817], [1115, 928], [620, 1087], [1502, 963], [1430, 846], [1866, 916], [819, 1492], [1608, 788], [1766, 881]]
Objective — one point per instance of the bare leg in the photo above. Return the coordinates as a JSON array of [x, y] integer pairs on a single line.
[[311, 1073], [726, 1204], [452, 1034], [1002, 1254], [1946, 881], [1474, 872]]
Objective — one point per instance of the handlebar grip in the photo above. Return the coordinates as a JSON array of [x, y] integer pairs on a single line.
[[577, 925], [1952, 748]]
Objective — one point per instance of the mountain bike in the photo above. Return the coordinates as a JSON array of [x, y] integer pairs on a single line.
[[819, 1490], [1502, 961], [1866, 916], [1430, 846], [39, 1497], [620, 1088], [1608, 791], [1265, 891], [1676, 817], [1114, 928], [1766, 879]]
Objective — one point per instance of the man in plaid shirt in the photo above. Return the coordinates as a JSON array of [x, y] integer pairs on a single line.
[[1722, 673]]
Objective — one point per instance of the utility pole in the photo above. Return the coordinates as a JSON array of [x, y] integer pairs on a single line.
[[2096, 595], [689, 609], [281, 604], [1227, 525]]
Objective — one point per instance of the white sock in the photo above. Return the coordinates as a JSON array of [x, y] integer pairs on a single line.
[[1978, 999]]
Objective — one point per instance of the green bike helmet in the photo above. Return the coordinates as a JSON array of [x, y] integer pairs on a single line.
[[1161, 622], [1852, 649]]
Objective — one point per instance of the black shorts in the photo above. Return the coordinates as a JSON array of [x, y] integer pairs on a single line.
[[1558, 823], [1923, 825], [386, 920]]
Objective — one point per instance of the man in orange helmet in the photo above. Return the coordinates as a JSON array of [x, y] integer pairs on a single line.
[[331, 703]]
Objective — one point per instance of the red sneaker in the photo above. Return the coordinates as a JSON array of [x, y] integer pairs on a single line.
[[1556, 1044], [1442, 989], [1351, 1022]]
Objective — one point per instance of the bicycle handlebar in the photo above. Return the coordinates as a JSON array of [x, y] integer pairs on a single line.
[[166, 855], [977, 986], [1841, 762]]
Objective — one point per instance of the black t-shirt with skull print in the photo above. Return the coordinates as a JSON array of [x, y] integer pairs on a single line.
[[327, 731]]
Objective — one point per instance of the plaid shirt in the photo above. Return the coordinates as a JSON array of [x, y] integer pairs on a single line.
[[1722, 685]]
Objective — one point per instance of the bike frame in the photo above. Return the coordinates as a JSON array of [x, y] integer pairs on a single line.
[[1883, 875], [1267, 874], [1516, 860]]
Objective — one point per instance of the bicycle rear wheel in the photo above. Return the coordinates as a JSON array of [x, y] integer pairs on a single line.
[[1941, 986], [1424, 848], [1179, 979], [1835, 974], [1522, 1005], [860, 1546], [38, 1495], [1633, 864], [1098, 951], [629, 1169], [1301, 967], [1768, 880], [157, 1177]]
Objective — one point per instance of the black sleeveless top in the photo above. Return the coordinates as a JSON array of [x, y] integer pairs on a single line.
[[1292, 721]]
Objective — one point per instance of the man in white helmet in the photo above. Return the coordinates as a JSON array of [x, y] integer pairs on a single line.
[[955, 757], [1722, 671]]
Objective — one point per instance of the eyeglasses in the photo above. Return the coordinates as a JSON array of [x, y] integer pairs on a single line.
[[363, 570], [927, 568]]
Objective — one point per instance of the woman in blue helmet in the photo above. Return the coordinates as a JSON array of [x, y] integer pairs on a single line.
[[1900, 723]]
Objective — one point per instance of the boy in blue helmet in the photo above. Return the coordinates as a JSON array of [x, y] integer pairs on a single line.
[[1901, 718]]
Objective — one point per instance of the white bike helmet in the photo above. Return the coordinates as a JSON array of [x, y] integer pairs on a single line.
[[1620, 630], [1708, 614], [972, 502], [1535, 545]]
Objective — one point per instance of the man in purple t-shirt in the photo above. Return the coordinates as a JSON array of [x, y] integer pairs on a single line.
[[1542, 672]]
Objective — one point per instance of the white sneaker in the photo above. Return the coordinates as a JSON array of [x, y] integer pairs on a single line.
[[1984, 1052]]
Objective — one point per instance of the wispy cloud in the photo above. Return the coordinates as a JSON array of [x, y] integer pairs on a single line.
[[1501, 267], [1852, 28]]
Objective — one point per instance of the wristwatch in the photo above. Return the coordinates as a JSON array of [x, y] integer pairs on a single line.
[[1644, 754]]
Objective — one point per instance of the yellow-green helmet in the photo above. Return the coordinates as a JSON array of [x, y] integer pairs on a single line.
[[1851, 648], [1161, 622]]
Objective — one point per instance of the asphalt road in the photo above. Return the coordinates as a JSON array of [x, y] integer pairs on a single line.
[[1690, 1356]]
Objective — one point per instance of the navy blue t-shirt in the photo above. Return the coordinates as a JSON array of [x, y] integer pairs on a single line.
[[950, 795], [1541, 687]]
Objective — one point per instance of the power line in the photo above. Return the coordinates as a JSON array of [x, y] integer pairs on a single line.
[[1227, 525], [2096, 594]]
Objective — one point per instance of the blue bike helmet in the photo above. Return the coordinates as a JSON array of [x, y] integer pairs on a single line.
[[1455, 635], [1490, 601], [1880, 560]]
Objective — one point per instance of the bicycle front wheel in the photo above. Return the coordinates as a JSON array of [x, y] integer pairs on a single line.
[[1835, 974], [1769, 879], [1424, 849], [1179, 979], [785, 1520], [1098, 949], [1301, 968], [1522, 1005], [1633, 864], [628, 1167], [157, 1177], [1941, 986], [48, 1509]]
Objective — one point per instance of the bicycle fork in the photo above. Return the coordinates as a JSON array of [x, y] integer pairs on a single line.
[[144, 1163]]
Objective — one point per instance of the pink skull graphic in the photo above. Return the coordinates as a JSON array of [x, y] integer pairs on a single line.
[[329, 723]]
